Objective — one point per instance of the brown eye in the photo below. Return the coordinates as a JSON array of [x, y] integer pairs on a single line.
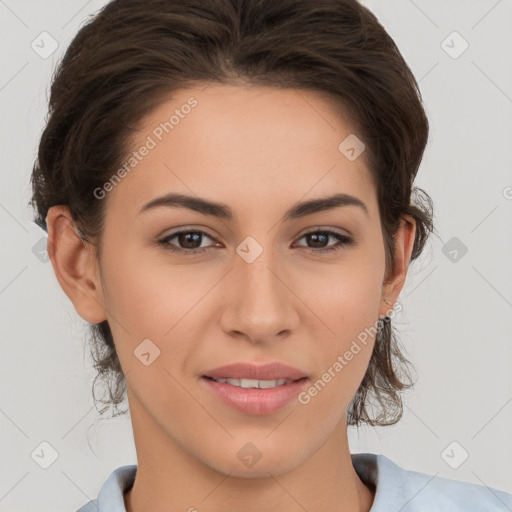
[[188, 241], [320, 238]]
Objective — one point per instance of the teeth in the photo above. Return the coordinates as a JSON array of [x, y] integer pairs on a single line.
[[253, 383]]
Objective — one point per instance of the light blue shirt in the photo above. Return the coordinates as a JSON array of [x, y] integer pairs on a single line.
[[397, 490]]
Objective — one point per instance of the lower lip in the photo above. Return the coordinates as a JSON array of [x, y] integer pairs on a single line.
[[257, 402]]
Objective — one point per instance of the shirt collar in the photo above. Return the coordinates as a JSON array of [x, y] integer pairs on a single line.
[[111, 499]]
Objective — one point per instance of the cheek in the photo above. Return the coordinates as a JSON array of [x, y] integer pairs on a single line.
[[156, 301], [343, 359], [345, 296], [346, 302], [149, 296]]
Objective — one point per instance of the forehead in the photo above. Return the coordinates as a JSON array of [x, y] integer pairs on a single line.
[[246, 146]]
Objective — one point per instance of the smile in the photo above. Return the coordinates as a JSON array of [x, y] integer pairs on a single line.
[[255, 397], [254, 383]]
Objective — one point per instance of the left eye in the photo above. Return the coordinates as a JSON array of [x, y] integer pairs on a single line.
[[189, 240], [319, 236]]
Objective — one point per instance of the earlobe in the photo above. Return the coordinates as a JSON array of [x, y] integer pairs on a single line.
[[74, 264], [404, 243]]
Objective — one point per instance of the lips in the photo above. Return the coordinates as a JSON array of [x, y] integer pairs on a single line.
[[268, 398], [268, 371]]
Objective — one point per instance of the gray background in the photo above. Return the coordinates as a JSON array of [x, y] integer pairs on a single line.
[[456, 322]]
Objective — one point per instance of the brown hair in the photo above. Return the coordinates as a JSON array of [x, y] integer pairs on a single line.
[[133, 54]]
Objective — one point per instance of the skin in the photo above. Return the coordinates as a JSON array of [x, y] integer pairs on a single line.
[[258, 150]]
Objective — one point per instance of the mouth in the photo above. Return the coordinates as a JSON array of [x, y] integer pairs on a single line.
[[255, 389], [254, 397], [256, 383]]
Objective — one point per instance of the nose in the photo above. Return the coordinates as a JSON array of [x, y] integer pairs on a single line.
[[259, 303]]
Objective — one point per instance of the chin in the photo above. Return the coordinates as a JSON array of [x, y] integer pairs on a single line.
[[245, 460]]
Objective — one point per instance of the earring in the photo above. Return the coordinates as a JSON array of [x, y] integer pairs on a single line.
[[384, 319]]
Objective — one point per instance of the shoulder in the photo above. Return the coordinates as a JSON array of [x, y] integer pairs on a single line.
[[110, 497], [411, 491]]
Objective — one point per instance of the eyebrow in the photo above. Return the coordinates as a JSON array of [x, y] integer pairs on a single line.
[[223, 211]]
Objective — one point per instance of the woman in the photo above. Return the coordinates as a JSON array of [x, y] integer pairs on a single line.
[[227, 187]]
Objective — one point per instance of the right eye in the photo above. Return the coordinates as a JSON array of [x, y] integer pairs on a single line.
[[188, 238]]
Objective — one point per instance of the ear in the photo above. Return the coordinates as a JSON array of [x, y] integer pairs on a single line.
[[404, 243], [75, 265]]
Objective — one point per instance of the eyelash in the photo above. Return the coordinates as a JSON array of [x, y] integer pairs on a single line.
[[343, 241]]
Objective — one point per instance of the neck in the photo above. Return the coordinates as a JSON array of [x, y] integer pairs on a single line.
[[169, 478]]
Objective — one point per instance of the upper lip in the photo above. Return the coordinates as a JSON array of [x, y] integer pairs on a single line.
[[268, 371]]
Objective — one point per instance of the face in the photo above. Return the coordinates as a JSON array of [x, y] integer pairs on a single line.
[[186, 290]]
